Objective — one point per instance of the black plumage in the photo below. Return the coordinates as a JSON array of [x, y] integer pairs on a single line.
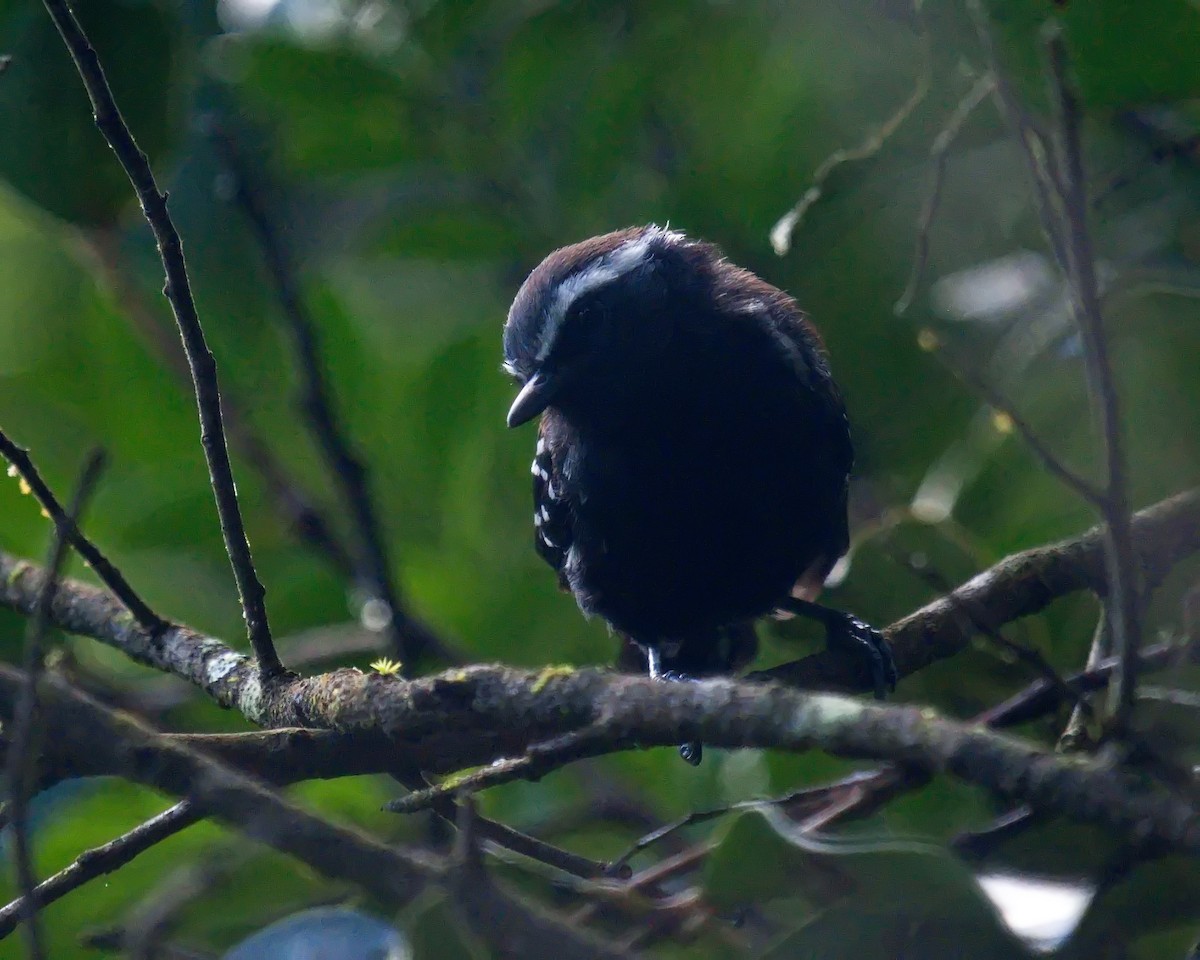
[[693, 455]]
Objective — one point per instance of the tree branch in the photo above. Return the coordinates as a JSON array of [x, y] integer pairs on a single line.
[[1124, 597], [200, 359], [489, 712], [392, 874], [101, 860], [112, 578], [296, 506], [1018, 586]]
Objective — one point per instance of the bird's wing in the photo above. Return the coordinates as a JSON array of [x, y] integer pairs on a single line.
[[552, 519]]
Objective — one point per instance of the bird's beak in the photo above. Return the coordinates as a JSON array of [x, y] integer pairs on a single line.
[[535, 396]]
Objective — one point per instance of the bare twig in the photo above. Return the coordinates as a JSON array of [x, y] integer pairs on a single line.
[[1035, 149], [101, 860], [1123, 596], [505, 836], [781, 233], [296, 506], [500, 834], [939, 157], [200, 359], [109, 575], [807, 798], [538, 760], [1045, 456], [22, 751], [1041, 698], [1074, 735], [977, 845]]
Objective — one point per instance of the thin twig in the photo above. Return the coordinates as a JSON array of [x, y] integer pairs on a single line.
[[805, 796], [1041, 698], [102, 860], [939, 157], [538, 760], [489, 911], [502, 835], [997, 401], [1047, 187], [781, 233], [22, 751], [1074, 735], [109, 575], [200, 359], [977, 845], [1123, 597], [296, 506]]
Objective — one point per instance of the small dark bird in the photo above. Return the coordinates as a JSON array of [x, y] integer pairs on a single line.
[[694, 454]]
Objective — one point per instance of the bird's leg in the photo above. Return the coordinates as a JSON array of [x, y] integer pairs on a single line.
[[847, 634], [691, 751]]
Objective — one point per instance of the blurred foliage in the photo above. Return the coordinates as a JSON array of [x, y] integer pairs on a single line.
[[418, 158]]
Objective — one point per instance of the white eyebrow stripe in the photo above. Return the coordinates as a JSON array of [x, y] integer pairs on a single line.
[[628, 256]]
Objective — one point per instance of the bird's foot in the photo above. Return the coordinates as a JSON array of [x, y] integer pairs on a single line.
[[851, 636], [691, 751]]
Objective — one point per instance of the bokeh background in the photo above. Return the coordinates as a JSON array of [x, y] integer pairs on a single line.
[[416, 160]]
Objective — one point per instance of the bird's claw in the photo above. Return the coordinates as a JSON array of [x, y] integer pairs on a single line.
[[692, 751], [866, 645]]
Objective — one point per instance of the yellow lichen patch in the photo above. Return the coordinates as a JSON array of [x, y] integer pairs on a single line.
[[386, 667], [928, 341], [1002, 422], [24, 487], [452, 780], [15, 573], [549, 673]]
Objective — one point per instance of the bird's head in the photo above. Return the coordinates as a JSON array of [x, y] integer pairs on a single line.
[[592, 315]]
